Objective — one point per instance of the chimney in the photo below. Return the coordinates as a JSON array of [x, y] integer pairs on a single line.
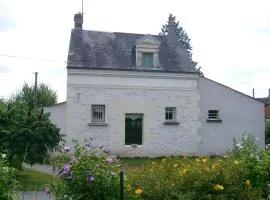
[[171, 27], [269, 94], [78, 21]]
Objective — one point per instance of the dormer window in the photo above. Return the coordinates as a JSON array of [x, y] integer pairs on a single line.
[[147, 52], [147, 60]]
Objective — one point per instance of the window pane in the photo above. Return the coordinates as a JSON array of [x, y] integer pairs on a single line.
[[98, 113], [170, 113], [147, 60], [213, 114]]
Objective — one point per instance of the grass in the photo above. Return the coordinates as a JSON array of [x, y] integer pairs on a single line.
[[33, 180]]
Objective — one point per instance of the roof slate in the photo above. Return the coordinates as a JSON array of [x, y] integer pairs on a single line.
[[106, 50]]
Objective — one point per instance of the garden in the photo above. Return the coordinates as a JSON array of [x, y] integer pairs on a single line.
[[86, 171]]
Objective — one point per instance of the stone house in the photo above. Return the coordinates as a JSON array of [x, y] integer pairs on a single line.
[[140, 95]]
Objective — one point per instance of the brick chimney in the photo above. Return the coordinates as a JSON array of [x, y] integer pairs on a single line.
[[171, 27], [78, 21]]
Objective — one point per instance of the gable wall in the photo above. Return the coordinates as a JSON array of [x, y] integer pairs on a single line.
[[135, 92], [239, 114]]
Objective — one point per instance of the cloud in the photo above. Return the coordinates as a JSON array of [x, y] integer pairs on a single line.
[[4, 69], [6, 24]]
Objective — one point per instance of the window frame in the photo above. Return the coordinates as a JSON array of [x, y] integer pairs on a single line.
[[213, 114], [173, 112], [103, 111]]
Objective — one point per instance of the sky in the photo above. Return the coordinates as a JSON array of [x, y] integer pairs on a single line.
[[230, 39]]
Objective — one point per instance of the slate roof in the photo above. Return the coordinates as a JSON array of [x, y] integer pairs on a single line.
[[112, 50]]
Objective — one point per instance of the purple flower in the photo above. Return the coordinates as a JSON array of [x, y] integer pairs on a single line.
[[67, 168], [111, 159], [67, 149], [90, 178]]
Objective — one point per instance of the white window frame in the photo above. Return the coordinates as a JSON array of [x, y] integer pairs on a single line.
[[170, 110], [213, 114], [100, 113]]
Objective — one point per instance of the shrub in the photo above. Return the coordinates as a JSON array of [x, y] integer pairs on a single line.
[[88, 172], [8, 177]]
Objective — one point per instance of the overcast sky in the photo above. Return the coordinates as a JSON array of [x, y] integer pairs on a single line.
[[230, 38]]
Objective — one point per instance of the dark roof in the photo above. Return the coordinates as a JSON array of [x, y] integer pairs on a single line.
[[106, 50], [265, 100]]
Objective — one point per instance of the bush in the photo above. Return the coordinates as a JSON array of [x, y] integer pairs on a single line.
[[8, 177], [88, 172], [243, 174]]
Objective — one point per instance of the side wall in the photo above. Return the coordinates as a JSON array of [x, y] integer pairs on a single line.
[[240, 114], [135, 92], [58, 115]]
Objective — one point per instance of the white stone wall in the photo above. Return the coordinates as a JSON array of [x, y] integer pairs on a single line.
[[58, 115], [135, 92], [239, 113]]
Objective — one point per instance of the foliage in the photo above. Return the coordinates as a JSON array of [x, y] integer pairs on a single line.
[[243, 174], [88, 172], [26, 135], [8, 175], [182, 37], [45, 96]]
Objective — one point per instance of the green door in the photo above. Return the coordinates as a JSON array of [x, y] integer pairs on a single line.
[[133, 129]]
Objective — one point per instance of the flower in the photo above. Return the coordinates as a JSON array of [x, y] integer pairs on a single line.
[[90, 179], [128, 188], [218, 187], [248, 182], [236, 162], [4, 156], [111, 158], [214, 166], [163, 160], [138, 191], [204, 160], [175, 165], [67, 149], [112, 173]]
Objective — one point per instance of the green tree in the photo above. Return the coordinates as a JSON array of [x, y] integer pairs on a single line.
[[26, 135], [45, 95], [182, 37]]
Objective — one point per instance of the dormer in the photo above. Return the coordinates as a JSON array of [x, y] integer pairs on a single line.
[[147, 52]]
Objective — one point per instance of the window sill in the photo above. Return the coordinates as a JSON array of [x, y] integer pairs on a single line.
[[97, 124], [171, 123], [214, 120], [133, 145]]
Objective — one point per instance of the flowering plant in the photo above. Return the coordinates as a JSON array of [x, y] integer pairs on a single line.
[[86, 172], [8, 175]]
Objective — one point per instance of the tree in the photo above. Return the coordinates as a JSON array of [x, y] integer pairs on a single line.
[[45, 96], [182, 37], [26, 135]]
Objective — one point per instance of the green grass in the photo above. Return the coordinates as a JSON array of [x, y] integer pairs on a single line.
[[32, 180]]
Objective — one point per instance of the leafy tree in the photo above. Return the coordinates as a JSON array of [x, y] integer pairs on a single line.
[[45, 95], [26, 135], [182, 37]]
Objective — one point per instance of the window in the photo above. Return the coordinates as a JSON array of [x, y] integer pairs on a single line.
[[98, 113], [213, 114], [170, 114], [147, 60]]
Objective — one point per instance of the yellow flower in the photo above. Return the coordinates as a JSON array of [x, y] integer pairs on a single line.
[[175, 165], [138, 191], [214, 166], [236, 162], [248, 182], [204, 160], [163, 160], [218, 187], [197, 160], [128, 188]]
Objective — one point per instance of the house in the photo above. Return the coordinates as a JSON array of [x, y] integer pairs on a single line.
[[266, 101], [140, 95]]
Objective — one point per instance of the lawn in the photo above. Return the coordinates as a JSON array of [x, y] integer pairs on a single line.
[[33, 180]]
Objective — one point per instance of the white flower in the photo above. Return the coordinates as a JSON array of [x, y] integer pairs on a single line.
[[4, 156], [257, 138]]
